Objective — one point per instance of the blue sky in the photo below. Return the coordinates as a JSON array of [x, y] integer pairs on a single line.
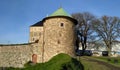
[[17, 15]]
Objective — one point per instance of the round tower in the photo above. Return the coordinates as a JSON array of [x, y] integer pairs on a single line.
[[59, 34]]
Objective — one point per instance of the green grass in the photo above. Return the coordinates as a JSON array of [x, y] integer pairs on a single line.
[[89, 65], [112, 60], [58, 62]]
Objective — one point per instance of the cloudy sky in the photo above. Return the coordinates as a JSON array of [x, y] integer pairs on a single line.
[[17, 15]]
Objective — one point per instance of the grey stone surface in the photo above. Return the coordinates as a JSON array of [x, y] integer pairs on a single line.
[[59, 37], [14, 56]]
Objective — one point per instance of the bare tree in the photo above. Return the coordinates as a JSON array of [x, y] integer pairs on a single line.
[[83, 28], [108, 29]]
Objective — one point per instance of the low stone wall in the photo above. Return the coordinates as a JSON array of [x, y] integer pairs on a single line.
[[15, 55]]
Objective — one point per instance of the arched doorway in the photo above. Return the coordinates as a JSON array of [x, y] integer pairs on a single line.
[[34, 58]]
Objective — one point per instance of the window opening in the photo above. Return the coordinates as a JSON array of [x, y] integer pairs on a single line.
[[61, 24]]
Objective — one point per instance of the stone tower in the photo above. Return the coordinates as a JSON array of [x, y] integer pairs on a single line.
[[59, 34], [36, 33]]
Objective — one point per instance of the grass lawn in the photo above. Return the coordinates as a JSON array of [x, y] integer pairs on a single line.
[[112, 60], [100, 63], [89, 65]]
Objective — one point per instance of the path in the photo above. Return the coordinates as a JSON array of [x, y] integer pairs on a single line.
[[111, 67]]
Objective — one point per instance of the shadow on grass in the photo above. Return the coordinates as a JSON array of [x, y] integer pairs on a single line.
[[73, 65], [9, 68]]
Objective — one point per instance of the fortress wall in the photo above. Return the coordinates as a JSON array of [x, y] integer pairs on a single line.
[[15, 55]]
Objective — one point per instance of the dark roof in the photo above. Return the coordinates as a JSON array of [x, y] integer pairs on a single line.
[[40, 23]]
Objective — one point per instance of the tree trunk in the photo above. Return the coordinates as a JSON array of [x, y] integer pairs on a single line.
[[109, 50]]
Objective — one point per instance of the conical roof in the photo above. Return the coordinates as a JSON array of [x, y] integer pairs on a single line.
[[60, 12]]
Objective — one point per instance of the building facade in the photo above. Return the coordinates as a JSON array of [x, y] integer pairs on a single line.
[[55, 34]]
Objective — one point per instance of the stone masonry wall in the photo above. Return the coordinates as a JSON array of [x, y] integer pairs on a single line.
[[37, 34], [59, 37], [15, 55]]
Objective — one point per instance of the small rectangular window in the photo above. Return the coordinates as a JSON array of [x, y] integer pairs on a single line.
[[61, 24]]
